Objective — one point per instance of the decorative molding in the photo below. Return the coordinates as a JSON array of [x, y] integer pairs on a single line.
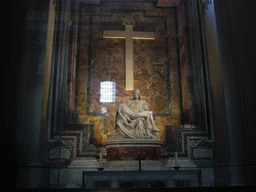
[[182, 138], [205, 5], [60, 151], [55, 2], [90, 1], [204, 153], [200, 149], [129, 20], [80, 136], [168, 3], [193, 144]]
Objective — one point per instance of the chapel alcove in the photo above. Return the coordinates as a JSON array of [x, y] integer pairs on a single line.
[[168, 70], [192, 61]]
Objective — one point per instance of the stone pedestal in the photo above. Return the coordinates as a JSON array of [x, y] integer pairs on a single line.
[[119, 150]]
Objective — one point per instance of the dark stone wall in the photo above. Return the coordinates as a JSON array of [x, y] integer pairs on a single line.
[[236, 39]]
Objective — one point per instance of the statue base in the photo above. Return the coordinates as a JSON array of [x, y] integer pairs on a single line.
[[131, 149]]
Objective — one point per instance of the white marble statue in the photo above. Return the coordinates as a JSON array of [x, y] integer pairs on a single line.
[[133, 120]]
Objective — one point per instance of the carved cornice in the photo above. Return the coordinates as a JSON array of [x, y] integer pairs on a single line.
[[205, 4], [90, 1], [55, 2], [128, 20], [193, 143], [168, 3]]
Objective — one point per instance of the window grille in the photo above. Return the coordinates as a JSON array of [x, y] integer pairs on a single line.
[[107, 91]]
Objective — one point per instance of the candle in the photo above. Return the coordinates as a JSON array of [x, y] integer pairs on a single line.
[[176, 159], [101, 159]]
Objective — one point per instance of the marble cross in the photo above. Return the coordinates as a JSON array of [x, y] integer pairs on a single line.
[[129, 35]]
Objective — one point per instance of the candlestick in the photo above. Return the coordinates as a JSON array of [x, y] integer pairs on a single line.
[[101, 160], [176, 159], [139, 163]]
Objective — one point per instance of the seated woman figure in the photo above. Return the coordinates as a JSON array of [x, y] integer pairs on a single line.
[[133, 120]]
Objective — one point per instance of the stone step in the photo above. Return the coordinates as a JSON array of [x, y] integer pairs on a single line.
[[91, 163], [182, 163], [132, 163]]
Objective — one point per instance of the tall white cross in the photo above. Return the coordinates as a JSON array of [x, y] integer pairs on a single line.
[[129, 35]]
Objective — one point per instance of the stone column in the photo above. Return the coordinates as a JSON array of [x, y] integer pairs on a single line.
[[233, 26], [189, 115], [216, 86], [32, 91], [60, 66], [72, 63], [46, 97]]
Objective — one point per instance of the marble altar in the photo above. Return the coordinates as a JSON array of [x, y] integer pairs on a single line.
[[140, 179]]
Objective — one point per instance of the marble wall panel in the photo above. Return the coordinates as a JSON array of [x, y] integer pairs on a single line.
[[132, 153], [106, 62]]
